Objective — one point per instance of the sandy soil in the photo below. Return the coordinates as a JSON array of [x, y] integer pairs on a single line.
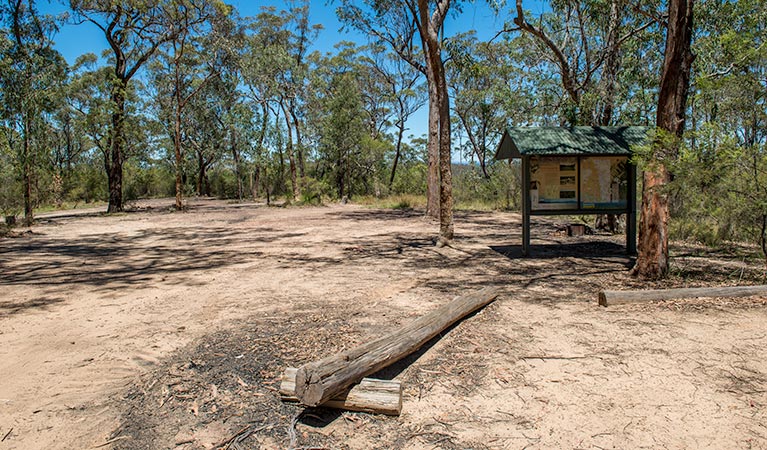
[[155, 329]]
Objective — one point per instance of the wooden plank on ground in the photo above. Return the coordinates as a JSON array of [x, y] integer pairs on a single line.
[[617, 297], [370, 395], [319, 381]]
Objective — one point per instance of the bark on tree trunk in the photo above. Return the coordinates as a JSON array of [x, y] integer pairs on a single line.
[[29, 214], [340, 179], [177, 152], [611, 64], [280, 181], [237, 171], [445, 163], [255, 180], [652, 260], [202, 166], [299, 142], [291, 155], [398, 149], [432, 180], [115, 152]]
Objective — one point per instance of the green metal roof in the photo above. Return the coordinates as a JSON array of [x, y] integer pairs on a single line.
[[569, 141]]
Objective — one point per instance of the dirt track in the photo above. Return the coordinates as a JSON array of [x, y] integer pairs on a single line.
[[155, 329]]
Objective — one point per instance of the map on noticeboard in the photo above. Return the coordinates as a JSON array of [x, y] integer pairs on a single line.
[[604, 182], [554, 183]]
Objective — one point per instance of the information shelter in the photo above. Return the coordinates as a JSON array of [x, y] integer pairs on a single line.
[[575, 171]]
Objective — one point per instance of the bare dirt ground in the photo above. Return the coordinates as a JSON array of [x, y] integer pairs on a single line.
[[154, 329]]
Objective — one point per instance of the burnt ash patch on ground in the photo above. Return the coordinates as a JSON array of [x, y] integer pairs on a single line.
[[222, 391]]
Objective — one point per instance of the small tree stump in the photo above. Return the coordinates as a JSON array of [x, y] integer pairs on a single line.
[[576, 229]]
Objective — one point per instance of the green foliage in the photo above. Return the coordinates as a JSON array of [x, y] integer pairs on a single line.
[[312, 191], [89, 184], [152, 181], [10, 187], [501, 190], [223, 183], [396, 201], [342, 140], [411, 178]]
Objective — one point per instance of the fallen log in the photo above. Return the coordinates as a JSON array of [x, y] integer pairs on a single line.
[[616, 297], [319, 381], [370, 395]]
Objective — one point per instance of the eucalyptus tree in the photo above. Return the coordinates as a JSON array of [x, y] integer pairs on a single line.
[[302, 34], [292, 79], [274, 72], [731, 67], [134, 30], [582, 42], [89, 106], [652, 261], [187, 62], [205, 133], [483, 82], [403, 24], [391, 24], [260, 62], [31, 76], [398, 94], [342, 129], [719, 187]]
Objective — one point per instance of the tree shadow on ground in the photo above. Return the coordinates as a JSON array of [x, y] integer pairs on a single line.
[[119, 260], [596, 250], [9, 307], [377, 214]]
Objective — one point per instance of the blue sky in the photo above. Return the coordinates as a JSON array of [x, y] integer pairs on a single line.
[[74, 40]]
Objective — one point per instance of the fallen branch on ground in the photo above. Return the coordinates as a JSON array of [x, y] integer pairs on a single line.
[[617, 297]]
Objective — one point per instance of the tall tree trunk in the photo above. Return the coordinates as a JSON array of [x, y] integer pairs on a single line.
[[177, 152], [340, 180], [398, 150], [439, 116], [201, 168], [117, 142], [445, 163], [236, 156], [432, 147], [29, 213], [652, 261], [280, 154], [291, 154], [260, 149], [611, 64], [299, 142], [255, 180]]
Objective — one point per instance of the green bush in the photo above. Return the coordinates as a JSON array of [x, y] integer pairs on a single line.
[[312, 191], [147, 182], [223, 183]]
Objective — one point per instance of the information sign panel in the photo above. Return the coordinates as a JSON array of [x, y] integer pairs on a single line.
[[604, 182], [553, 183]]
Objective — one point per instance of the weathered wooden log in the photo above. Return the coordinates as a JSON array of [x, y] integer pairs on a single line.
[[616, 297], [319, 381], [370, 395]]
